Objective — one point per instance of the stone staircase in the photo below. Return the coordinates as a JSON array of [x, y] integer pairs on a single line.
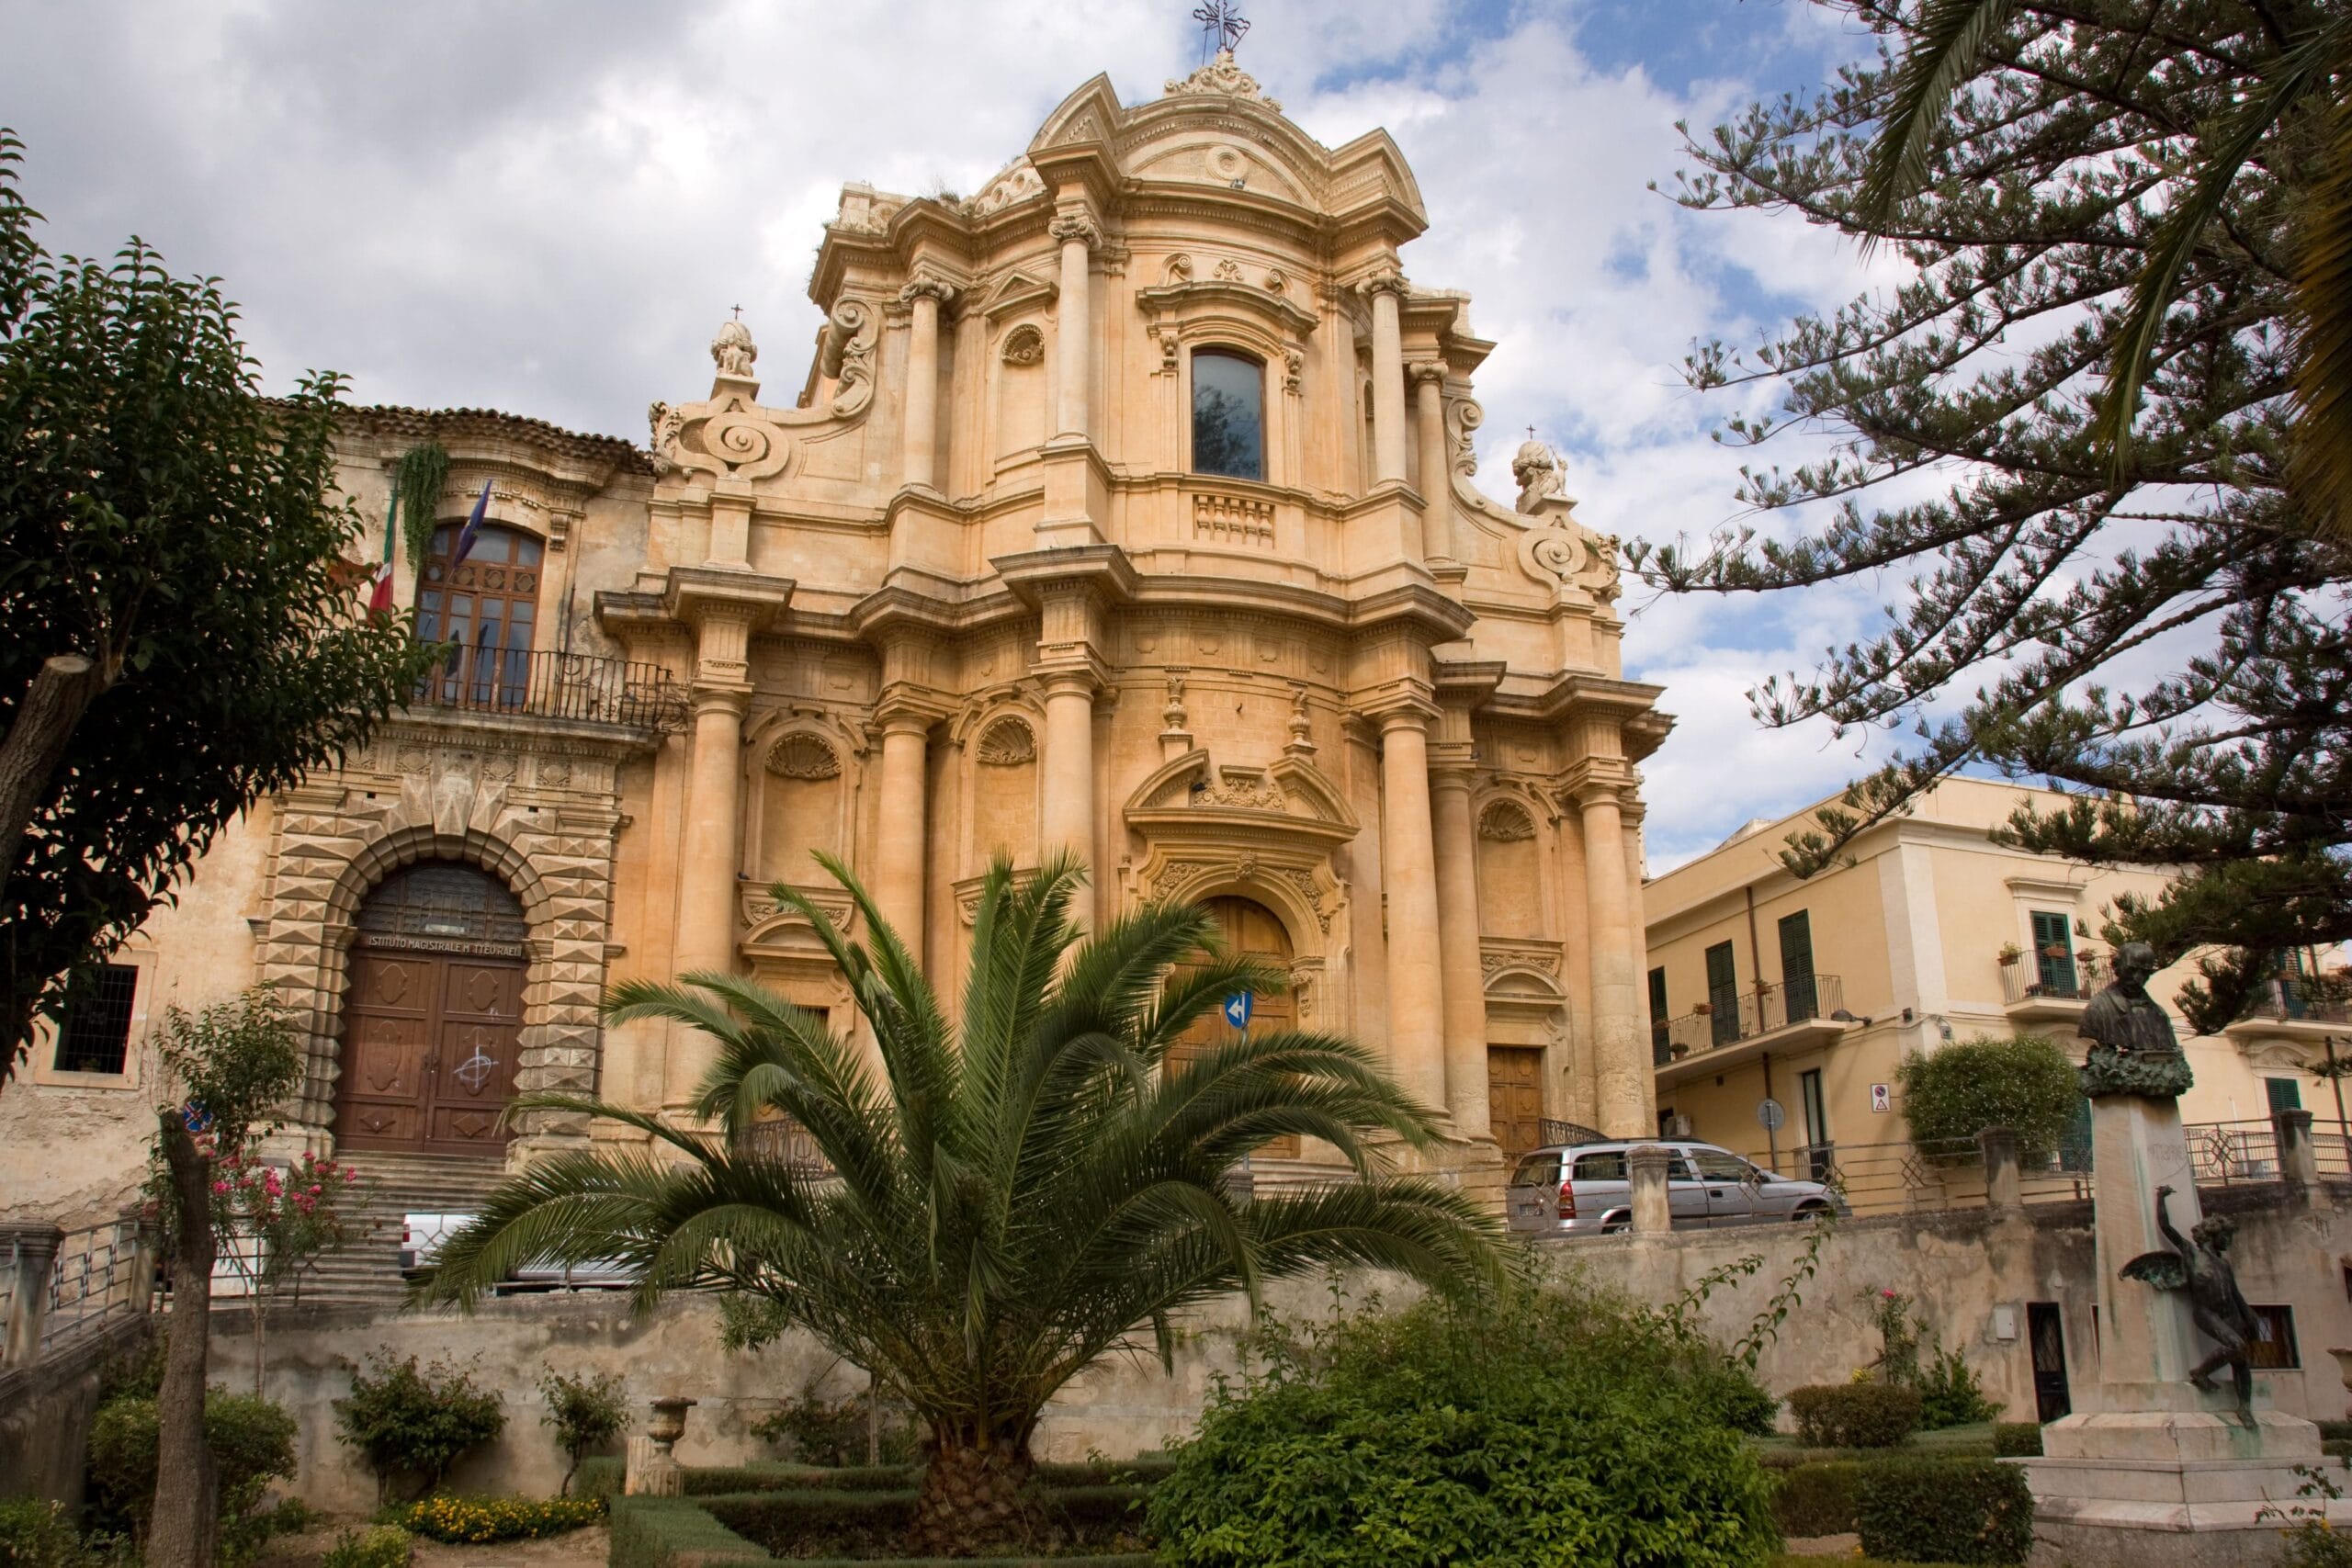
[[368, 1271]]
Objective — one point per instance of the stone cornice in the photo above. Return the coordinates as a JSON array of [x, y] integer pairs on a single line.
[[602, 456]]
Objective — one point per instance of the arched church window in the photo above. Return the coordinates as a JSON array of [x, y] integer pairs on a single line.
[[488, 606], [1229, 414]]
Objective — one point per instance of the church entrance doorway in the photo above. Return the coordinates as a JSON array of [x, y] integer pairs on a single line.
[[1515, 1098], [433, 1021], [1250, 928]]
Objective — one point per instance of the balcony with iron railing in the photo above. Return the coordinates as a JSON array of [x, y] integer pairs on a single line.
[[1794, 1015], [2043, 986], [568, 688], [2306, 1008]]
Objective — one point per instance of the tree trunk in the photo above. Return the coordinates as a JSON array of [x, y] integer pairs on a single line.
[[36, 742], [182, 1525], [970, 1501]]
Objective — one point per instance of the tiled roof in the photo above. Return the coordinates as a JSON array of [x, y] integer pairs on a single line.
[[448, 424]]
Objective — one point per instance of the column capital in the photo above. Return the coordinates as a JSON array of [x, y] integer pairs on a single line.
[[1088, 674], [733, 700], [1077, 224], [1596, 780], [1387, 280], [904, 707], [1406, 708], [1452, 765], [928, 286], [1425, 371]]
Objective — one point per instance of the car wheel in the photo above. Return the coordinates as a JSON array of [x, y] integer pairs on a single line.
[[1809, 1212], [1615, 1227]]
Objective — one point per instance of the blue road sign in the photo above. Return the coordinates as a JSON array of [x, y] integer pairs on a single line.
[[1237, 1009]]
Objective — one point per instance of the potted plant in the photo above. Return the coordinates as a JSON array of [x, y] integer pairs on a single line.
[[1702, 1009], [1679, 1050], [2008, 955]]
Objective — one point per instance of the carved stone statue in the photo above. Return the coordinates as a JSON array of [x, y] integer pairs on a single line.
[[2199, 1265], [733, 350], [2133, 1050], [1538, 473]]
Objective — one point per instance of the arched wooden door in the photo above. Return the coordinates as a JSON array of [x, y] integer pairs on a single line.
[[433, 1021], [1250, 928]]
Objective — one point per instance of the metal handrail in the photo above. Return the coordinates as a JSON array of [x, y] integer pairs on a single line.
[[2078, 981], [1761, 1009], [95, 1279], [517, 682]]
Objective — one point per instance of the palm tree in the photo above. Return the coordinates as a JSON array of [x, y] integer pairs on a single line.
[[1012, 1197], [2296, 64]]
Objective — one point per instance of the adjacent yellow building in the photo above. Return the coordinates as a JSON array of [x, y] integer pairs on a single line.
[[1810, 993]]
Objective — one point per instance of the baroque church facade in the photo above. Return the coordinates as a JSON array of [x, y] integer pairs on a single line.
[[1124, 507]]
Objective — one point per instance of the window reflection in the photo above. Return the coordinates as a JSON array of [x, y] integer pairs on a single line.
[[1229, 416]]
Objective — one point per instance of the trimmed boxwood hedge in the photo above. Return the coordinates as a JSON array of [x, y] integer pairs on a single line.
[[2016, 1440], [671, 1532], [1817, 1499], [1854, 1415], [822, 1522], [1948, 1510]]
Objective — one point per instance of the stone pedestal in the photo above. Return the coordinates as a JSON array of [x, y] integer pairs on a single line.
[[2156, 1472]]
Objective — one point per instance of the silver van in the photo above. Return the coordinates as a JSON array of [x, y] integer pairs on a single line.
[[1583, 1189]]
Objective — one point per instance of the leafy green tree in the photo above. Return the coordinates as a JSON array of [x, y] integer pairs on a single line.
[[414, 1425], [231, 1065], [2026, 1084], [183, 632], [1011, 1197], [585, 1413], [2104, 205]]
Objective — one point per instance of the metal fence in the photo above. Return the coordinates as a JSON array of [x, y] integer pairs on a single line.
[[512, 681], [2074, 977], [101, 1273], [1921, 1177], [1758, 1011]]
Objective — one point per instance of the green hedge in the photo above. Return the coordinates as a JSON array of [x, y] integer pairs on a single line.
[[1817, 1499], [2016, 1440], [1947, 1510], [2335, 1431], [600, 1477], [671, 1532], [1854, 1415], [813, 1522]]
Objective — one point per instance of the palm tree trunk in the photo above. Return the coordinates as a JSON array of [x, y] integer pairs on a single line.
[[180, 1528], [970, 1499]]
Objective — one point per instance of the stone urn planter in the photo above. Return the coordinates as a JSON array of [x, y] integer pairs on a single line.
[[653, 1470]]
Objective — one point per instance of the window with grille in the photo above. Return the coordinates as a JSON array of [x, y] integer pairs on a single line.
[[2273, 1346], [96, 1034]]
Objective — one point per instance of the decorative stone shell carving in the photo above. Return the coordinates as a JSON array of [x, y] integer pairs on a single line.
[[1007, 744], [1505, 822], [803, 756], [1025, 344]]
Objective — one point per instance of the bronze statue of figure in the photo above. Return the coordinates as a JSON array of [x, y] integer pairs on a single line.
[[2199, 1265], [2133, 1050]]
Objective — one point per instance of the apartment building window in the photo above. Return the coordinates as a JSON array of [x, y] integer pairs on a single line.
[[2054, 954], [1800, 996], [96, 1034], [1723, 993], [1661, 1043], [2273, 1346], [2286, 1094]]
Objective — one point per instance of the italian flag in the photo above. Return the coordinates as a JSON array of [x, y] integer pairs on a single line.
[[379, 600]]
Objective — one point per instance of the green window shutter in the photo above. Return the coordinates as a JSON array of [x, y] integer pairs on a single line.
[[1722, 992], [2286, 1094], [2054, 954], [1661, 1037], [1797, 989]]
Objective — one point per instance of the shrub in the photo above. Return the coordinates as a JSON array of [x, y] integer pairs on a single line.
[[252, 1441], [833, 1432], [2016, 1440], [38, 1534], [1944, 1510], [412, 1424], [826, 1523], [670, 1532], [1817, 1498], [1546, 1424], [586, 1413], [475, 1521], [1951, 1395], [382, 1546], [1854, 1415], [2025, 1084]]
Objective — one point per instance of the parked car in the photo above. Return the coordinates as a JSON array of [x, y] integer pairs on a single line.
[[422, 1236], [1584, 1189]]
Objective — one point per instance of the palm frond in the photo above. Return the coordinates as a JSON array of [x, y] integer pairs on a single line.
[[1947, 50]]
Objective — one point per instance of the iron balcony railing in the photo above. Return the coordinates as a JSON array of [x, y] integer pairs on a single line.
[[577, 687], [1759, 1011], [101, 1273], [2077, 977], [2299, 999], [784, 1139]]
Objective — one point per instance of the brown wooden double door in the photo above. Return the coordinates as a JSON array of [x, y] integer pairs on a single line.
[[1251, 930], [429, 1043], [1515, 1098]]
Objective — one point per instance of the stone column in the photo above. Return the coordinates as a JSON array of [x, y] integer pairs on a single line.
[[708, 899], [923, 297], [1619, 1063], [1437, 478], [1078, 235], [35, 1253], [2298, 1157], [899, 856], [1385, 289], [1647, 1169], [1407, 863], [1456, 847], [1069, 763], [2003, 1188]]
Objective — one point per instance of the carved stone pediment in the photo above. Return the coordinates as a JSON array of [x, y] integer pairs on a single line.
[[773, 930], [1289, 801], [1017, 291]]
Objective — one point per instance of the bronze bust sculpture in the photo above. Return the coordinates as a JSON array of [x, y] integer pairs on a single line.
[[2199, 1265], [2133, 1050]]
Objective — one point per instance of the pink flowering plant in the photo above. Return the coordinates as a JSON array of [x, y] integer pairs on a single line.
[[277, 1221]]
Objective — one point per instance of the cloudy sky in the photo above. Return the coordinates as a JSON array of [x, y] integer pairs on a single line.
[[546, 206]]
